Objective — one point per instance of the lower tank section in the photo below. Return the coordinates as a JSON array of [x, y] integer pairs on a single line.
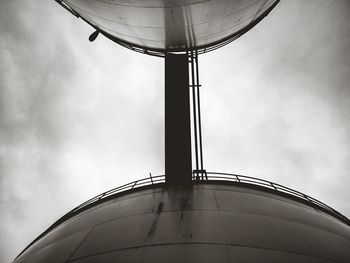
[[207, 222]]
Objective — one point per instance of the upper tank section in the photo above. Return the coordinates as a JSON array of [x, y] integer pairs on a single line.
[[171, 25], [211, 221]]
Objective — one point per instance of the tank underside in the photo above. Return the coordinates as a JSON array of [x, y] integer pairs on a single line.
[[205, 222], [176, 25]]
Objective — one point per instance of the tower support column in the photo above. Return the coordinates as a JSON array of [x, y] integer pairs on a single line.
[[178, 160]]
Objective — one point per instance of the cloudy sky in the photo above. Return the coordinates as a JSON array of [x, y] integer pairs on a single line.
[[78, 118]]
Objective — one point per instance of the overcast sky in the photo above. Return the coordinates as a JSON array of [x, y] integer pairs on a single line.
[[78, 118]]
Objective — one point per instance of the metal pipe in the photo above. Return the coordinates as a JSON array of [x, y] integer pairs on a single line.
[[194, 110], [199, 115]]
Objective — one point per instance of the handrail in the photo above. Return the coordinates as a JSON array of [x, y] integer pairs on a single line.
[[271, 185], [135, 184], [213, 176]]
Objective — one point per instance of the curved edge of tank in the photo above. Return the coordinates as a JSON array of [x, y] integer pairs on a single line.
[[74, 212], [161, 52]]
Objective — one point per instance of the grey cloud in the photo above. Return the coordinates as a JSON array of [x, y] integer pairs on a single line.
[[78, 118]]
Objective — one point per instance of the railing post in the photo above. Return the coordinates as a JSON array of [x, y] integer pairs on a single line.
[[271, 183], [150, 175]]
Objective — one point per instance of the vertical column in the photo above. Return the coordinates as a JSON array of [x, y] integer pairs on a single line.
[[178, 163]]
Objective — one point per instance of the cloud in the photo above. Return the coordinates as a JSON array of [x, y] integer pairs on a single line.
[[78, 118]]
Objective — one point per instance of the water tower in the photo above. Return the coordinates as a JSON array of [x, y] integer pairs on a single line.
[[188, 214]]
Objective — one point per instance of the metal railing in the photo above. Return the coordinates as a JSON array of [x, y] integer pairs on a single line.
[[272, 186], [214, 176], [135, 184]]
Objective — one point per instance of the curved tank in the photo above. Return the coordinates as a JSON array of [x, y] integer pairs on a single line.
[[176, 25], [209, 221]]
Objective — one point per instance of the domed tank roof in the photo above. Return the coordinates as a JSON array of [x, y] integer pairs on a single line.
[[208, 221]]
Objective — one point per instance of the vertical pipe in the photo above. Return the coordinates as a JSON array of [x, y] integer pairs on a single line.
[[193, 82], [199, 115], [178, 160]]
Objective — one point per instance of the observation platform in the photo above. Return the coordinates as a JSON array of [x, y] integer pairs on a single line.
[[224, 218]]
